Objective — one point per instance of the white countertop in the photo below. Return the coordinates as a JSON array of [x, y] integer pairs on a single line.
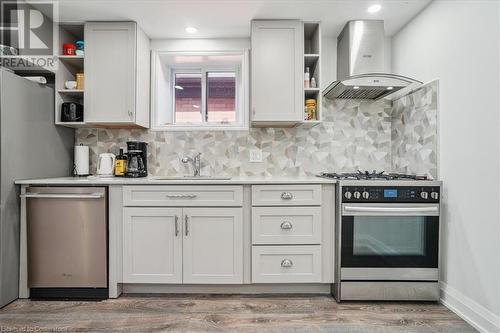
[[93, 180]]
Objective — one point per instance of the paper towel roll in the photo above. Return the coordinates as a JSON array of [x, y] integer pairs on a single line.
[[81, 160]]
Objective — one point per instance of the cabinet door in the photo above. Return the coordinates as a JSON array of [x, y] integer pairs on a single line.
[[152, 245], [213, 245], [277, 65], [110, 67]]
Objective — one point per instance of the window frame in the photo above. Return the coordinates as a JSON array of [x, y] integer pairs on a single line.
[[241, 93]]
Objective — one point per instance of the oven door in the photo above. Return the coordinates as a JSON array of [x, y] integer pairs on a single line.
[[389, 241]]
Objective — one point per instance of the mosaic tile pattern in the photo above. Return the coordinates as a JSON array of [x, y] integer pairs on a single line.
[[355, 135], [414, 132]]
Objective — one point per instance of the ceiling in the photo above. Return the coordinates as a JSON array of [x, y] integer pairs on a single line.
[[231, 18]]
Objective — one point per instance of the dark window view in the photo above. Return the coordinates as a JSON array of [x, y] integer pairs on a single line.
[[221, 97], [188, 98]]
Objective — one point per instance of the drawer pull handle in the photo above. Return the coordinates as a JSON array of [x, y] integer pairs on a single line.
[[181, 196], [286, 263], [286, 196], [176, 222], [286, 225]]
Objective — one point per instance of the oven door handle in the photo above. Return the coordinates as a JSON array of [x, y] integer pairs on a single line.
[[387, 210]]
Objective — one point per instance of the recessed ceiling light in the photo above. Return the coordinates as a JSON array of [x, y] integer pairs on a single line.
[[179, 88], [196, 106], [355, 87], [191, 30], [390, 88], [374, 8]]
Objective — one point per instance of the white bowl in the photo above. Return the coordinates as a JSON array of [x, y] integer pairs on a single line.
[[70, 85]]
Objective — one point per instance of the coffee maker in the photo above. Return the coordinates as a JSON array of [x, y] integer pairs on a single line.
[[137, 159]]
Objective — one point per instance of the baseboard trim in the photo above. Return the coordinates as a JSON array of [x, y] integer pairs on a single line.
[[227, 289], [469, 310]]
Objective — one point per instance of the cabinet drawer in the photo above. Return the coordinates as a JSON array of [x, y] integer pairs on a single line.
[[182, 196], [286, 195], [286, 225], [286, 264]]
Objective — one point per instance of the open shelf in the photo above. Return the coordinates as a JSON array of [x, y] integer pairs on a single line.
[[68, 67], [76, 61], [312, 60], [73, 124], [71, 91]]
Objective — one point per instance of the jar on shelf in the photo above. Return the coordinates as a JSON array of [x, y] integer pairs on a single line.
[[311, 109], [80, 81]]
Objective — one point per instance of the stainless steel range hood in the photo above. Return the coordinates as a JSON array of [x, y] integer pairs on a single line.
[[360, 65]]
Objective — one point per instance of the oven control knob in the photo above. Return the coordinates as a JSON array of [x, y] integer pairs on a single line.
[[348, 195], [357, 195], [424, 195], [435, 195], [366, 195]]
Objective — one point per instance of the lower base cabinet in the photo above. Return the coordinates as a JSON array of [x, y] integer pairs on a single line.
[[286, 264], [213, 245], [152, 245], [183, 245]]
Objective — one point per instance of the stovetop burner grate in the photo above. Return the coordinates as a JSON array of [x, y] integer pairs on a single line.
[[374, 175]]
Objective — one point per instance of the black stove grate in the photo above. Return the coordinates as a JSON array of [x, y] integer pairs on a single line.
[[374, 175]]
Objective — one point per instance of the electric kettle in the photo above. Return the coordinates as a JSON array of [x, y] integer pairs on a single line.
[[105, 164]]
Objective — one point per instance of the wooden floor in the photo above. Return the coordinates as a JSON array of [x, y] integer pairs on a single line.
[[181, 313]]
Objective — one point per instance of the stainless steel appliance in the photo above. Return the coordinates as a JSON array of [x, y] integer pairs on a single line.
[[31, 146], [137, 159], [67, 242], [360, 64], [387, 233]]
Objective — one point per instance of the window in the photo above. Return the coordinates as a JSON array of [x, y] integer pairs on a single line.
[[200, 91]]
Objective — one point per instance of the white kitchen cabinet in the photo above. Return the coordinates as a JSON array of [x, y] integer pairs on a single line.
[[286, 195], [183, 196], [286, 264], [286, 225], [117, 74], [213, 245], [152, 245], [277, 72]]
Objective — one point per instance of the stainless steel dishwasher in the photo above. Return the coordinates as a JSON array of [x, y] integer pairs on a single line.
[[67, 242]]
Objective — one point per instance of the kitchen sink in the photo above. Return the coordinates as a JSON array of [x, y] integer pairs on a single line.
[[190, 178]]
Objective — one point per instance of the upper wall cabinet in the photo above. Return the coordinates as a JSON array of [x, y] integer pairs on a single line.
[[117, 71], [277, 79]]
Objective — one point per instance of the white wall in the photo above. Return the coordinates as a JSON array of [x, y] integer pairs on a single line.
[[458, 42]]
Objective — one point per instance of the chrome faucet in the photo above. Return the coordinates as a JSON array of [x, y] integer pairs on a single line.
[[195, 161]]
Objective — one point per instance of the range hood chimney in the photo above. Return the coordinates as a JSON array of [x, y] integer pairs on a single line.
[[360, 65]]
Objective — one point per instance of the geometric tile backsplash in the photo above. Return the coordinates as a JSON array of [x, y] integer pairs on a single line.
[[414, 132], [355, 134]]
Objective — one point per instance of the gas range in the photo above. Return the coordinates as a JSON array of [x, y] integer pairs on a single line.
[[387, 234], [374, 175]]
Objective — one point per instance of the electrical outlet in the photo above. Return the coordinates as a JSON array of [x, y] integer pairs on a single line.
[[256, 155]]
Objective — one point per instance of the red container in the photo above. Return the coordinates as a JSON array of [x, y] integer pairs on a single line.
[[69, 49]]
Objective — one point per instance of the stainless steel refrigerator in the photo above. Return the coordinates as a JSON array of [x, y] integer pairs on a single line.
[[31, 146]]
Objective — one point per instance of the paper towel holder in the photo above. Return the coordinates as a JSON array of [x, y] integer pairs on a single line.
[[81, 161]]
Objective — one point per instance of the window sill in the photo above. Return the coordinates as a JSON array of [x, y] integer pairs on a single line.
[[178, 128]]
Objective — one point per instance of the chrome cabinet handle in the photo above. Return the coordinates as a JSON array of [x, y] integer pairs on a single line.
[[286, 225], [286, 263], [186, 218], [181, 196], [286, 196], [176, 225]]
